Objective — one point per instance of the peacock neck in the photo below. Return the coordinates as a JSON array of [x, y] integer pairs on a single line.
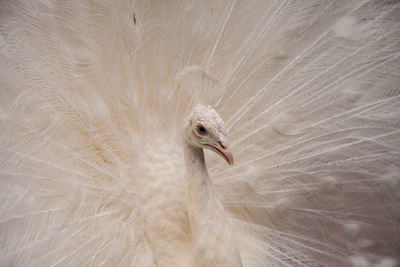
[[208, 220], [202, 198], [196, 169], [200, 187]]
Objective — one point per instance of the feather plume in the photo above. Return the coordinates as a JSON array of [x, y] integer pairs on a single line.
[[309, 91]]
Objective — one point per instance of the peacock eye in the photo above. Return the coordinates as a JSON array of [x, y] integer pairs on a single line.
[[201, 130]]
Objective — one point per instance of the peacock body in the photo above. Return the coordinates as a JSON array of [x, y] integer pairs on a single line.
[[98, 165]]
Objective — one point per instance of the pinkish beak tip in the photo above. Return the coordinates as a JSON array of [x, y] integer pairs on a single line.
[[228, 157]]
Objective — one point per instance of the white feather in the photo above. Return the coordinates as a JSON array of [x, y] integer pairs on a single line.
[[92, 99]]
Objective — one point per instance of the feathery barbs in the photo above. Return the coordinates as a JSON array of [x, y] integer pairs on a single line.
[[92, 100]]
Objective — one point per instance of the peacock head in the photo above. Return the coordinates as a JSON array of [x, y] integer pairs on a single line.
[[205, 129]]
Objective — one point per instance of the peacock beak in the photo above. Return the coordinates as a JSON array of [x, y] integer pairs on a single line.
[[228, 156], [222, 148]]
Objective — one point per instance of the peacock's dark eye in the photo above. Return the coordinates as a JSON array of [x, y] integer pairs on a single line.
[[201, 130]]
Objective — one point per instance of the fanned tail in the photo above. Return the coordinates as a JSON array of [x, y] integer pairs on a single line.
[[309, 91]]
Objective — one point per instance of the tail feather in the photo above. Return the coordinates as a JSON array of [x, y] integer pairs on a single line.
[[309, 91]]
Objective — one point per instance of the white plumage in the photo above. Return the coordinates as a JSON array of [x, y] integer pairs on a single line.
[[94, 104]]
